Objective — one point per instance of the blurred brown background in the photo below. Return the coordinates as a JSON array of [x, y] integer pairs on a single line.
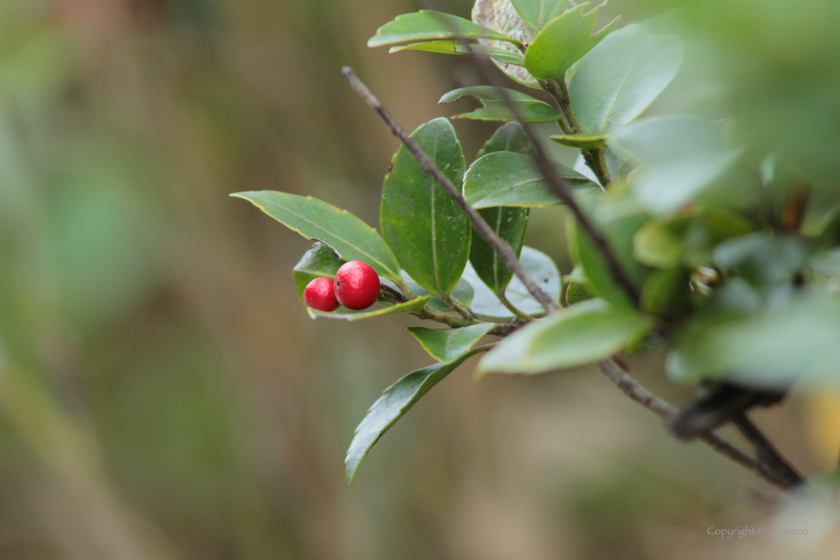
[[162, 393]]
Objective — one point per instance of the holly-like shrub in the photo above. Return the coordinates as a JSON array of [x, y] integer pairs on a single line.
[[705, 240]]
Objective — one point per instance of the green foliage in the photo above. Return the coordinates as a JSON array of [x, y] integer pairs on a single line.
[[429, 25], [392, 405], [511, 179], [563, 42], [619, 221], [792, 339], [723, 243], [508, 223], [427, 230], [449, 345], [622, 76], [346, 234], [497, 109], [584, 333]]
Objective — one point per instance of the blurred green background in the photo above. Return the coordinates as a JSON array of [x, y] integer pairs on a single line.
[[162, 393]]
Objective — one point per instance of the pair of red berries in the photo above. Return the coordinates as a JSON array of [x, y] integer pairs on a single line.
[[356, 286]]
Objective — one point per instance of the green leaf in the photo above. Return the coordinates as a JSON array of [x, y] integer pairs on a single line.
[[582, 334], [794, 341], [509, 179], [428, 25], [426, 229], [687, 239], [412, 306], [318, 262], [462, 294], [576, 292], [448, 345], [392, 405], [582, 141], [667, 187], [618, 221], [537, 13], [508, 138], [496, 109], [541, 268], [509, 224], [622, 76], [563, 42], [459, 47], [655, 245], [346, 234], [667, 139]]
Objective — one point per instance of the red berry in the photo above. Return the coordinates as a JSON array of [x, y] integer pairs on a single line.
[[320, 295], [356, 285]]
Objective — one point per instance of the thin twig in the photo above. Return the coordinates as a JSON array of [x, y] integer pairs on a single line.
[[639, 393], [766, 453], [501, 246]]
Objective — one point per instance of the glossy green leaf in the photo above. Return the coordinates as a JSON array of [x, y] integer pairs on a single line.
[[346, 234], [622, 76], [564, 41], [391, 406], [509, 223], [582, 141], [496, 108], [582, 334], [318, 262], [508, 138], [448, 345], [459, 47], [541, 268], [462, 294], [428, 25], [426, 229], [537, 13], [794, 341], [412, 306], [509, 179]]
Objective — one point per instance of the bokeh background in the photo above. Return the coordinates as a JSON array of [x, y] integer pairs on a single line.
[[164, 396]]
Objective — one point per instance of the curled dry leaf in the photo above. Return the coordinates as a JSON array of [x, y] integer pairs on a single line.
[[500, 15]]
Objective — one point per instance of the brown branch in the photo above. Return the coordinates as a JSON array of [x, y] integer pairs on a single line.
[[501, 246], [758, 465], [766, 453]]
